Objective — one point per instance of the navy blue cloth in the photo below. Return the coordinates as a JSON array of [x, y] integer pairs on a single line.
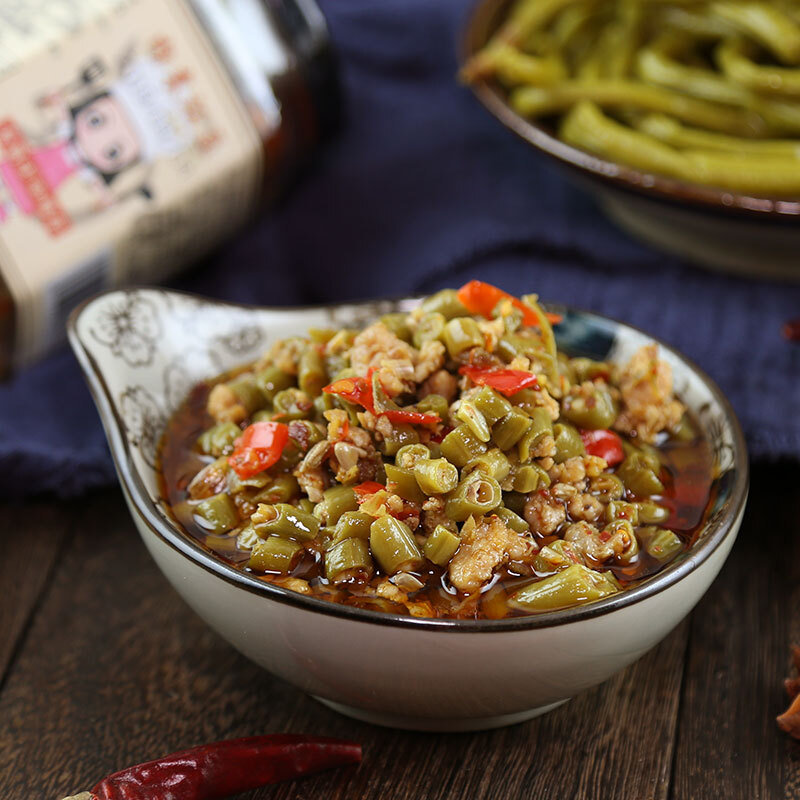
[[423, 189]]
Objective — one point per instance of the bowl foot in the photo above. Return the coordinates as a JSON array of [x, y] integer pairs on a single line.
[[741, 246], [389, 720]]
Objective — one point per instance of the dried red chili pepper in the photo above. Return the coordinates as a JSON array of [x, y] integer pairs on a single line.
[[789, 721], [223, 769], [791, 330]]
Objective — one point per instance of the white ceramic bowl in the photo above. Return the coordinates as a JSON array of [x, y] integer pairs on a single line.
[[142, 349]]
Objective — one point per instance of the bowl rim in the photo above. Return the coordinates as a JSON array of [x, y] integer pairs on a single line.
[[620, 176], [172, 535]]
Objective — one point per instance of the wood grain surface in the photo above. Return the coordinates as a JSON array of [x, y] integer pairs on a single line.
[[103, 665]]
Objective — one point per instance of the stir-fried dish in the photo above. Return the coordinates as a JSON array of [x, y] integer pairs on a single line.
[[447, 462]]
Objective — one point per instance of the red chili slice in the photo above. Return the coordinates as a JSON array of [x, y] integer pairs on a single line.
[[505, 381], [482, 298], [605, 444], [412, 417], [364, 490], [355, 390], [359, 390], [258, 448]]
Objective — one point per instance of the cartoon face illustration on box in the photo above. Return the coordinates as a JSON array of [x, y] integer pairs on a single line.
[[106, 129]]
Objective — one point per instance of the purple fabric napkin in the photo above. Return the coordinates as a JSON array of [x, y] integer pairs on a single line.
[[423, 189]]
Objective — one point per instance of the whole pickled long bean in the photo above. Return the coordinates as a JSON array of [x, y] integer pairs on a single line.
[[697, 24], [752, 174], [654, 64], [767, 24], [671, 132], [732, 58], [647, 62], [585, 126], [527, 16], [512, 67], [624, 41], [540, 101]]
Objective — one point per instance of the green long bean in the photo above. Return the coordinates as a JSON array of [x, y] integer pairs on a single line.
[[347, 559], [393, 545], [477, 494], [538, 101], [572, 586], [767, 24], [435, 475], [284, 520]]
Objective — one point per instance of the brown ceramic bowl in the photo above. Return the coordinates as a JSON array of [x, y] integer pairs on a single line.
[[758, 236]]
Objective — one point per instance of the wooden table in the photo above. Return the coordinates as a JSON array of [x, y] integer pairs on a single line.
[[103, 665]]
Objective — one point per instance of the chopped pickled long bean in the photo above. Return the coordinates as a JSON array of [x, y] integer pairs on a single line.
[[491, 497]]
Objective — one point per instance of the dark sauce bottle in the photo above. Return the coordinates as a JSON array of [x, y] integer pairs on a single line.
[[179, 120]]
